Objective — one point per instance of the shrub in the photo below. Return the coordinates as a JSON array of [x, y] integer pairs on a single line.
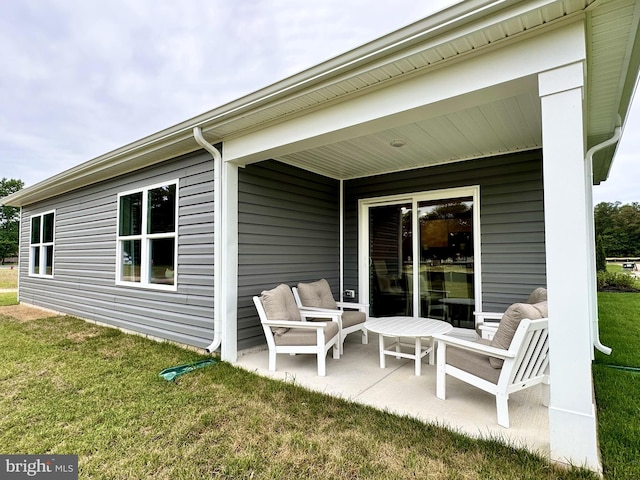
[[621, 282], [601, 258]]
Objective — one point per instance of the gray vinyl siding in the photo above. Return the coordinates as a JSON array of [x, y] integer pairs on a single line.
[[85, 256], [288, 232], [511, 218]]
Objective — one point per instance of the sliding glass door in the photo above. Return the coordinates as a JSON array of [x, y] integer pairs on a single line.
[[420, 255]]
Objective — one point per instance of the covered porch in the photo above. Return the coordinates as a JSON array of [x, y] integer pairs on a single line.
[[506, 106], [357, 377]]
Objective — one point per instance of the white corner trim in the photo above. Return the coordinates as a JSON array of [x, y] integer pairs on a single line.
[[561, 79]]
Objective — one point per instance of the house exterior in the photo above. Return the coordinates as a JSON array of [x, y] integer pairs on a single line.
[[462, 146]]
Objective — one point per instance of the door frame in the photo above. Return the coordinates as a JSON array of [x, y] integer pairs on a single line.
[[364, 204]]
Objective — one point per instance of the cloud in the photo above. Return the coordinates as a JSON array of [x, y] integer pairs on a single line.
[[85, 78]]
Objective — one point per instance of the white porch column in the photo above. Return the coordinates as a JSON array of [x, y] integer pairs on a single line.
[[229, 300], [569, 250]]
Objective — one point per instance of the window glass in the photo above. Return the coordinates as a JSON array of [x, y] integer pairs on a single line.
[[421, 257], [48, 260], [131, 260], [35, 253], [162, 209], [47, 230], [131, 214], [35, 229], [162, 261]]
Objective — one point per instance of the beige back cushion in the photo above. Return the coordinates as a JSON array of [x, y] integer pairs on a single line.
[[510, 322], [538, 295], [317, 294], [279, 304]]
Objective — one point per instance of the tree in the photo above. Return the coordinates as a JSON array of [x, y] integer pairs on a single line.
[[619, 228], [9, 220], [601, 257]]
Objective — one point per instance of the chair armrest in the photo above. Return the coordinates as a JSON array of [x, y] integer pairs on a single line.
[[363, 307], [294, 324], [310, 312], [474, 346], [492, 316]]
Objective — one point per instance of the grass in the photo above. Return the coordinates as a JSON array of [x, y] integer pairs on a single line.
[[8, 277], [72, 387], [8, 298], [618, 391]]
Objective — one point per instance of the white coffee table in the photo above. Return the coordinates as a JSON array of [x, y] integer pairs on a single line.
[[398, 328]]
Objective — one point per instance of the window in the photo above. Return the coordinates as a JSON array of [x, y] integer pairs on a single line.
[[147, 226], [420, 255], [42, 242]]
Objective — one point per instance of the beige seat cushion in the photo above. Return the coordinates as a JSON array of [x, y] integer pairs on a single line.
[[279, 304], [352, 317], [472, 362], [538, 295], [510, 322], [317, 294], [301, 336]]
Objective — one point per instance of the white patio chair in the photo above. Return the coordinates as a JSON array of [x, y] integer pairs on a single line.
[[495, 368], [317, 297], [487, 322], [287, 330]]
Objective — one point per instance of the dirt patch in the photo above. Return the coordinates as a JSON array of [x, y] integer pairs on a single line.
[[25, 313]]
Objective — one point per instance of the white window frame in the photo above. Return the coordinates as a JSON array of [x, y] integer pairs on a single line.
[[145, 240], [414, 198], [41, 247]]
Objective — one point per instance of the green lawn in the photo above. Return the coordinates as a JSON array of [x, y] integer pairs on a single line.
[[70, 387], [8, 277], [8, 298], [618, 390]]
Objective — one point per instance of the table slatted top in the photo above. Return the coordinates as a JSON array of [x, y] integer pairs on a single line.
[[407, 326]]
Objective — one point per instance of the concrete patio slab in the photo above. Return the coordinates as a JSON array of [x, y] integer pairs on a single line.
[[357, 377]]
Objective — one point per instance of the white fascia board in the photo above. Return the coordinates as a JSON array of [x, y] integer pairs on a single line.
[[119, 162], [433, 93]]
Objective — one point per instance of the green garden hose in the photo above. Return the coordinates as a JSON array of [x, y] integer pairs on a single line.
[[169, 374]]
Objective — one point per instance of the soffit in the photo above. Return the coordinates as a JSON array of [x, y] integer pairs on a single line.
[[612, 71], [508, 125], [412, 59]]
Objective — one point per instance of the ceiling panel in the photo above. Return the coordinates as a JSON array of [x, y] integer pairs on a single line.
[[510, 124]]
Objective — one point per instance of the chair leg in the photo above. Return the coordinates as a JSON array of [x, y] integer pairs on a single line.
[[322, 363], [365, 336], [502, 404], [545, 392], [441, 375], [272, 360]]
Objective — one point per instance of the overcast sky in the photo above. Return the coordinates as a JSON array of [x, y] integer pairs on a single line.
[[79, 78]]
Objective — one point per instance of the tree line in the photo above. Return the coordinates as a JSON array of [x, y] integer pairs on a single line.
[[617, 228], [9, 220]]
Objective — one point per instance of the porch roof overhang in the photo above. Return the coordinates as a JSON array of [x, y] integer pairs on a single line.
[[432, 60]]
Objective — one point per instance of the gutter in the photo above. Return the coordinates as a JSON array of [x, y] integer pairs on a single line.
[[589, 161], [217, 238]]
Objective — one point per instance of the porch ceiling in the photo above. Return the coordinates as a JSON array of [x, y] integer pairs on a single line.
[[509, 124]]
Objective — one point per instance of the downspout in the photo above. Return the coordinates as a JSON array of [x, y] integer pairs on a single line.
[[217, 237], [341, 220], [589, 159]]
